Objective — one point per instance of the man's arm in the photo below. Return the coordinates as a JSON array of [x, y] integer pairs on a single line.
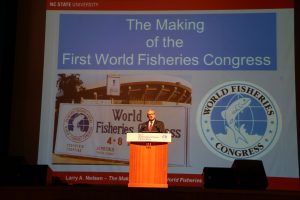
[[142, 127], [161, 127]]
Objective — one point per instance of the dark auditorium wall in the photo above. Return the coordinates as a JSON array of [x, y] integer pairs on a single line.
[[7, 48], [23, 82], [27, 80]]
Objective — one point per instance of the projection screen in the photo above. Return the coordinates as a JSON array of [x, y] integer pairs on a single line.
[[219, 74]]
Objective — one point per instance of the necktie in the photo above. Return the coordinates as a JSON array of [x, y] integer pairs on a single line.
[[150, 126]]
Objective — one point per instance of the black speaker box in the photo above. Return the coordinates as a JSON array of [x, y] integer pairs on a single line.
[[216, 177], [250, 174]]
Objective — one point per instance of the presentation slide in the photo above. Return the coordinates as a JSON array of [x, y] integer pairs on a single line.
[[220, 75]]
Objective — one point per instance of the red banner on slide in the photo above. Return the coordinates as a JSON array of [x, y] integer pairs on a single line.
[[181, 180], [121, 178], [167, 4]]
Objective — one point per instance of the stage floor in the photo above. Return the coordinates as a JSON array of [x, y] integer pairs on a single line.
[[86, 192]]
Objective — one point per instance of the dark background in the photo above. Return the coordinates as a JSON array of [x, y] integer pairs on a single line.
[[21, 75]]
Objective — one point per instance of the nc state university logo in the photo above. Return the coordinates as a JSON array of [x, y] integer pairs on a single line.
[[239, 120]]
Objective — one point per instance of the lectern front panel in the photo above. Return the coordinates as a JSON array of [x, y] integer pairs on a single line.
[[148, 165]]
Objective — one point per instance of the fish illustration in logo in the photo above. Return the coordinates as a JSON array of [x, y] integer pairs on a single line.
[[76, 124], [230, 115]]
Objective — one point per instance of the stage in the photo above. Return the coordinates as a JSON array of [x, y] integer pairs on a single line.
[[87, 192]]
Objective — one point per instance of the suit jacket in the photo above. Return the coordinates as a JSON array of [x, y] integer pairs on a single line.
[[158, 126]]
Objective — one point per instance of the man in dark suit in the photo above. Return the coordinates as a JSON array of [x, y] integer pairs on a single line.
[[152, 125]]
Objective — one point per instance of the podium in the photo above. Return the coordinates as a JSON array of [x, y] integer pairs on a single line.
[[148, 162]]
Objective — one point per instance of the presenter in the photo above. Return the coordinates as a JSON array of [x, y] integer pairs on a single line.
[[152, 125]]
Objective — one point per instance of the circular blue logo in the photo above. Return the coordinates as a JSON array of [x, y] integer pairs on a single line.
[[238, 120], [78, 125]]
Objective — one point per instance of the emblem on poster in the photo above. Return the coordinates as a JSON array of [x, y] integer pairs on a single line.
[[239, 120], [78, 125]]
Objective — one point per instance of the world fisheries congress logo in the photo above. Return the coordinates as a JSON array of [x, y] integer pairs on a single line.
[[78, 125], [239, 120]]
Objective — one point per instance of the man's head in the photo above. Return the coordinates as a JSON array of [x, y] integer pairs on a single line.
[[151, 114]]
